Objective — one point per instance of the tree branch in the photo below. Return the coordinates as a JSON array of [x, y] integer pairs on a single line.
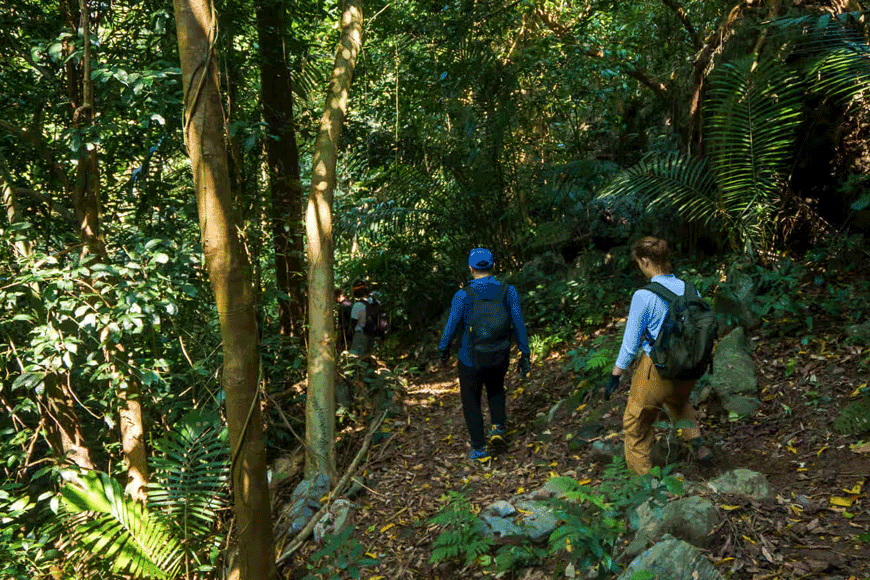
[[38, 144], [566, 36], [702, 62], [681, 14]]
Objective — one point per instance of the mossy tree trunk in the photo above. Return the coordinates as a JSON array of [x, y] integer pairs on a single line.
[[320, 405]]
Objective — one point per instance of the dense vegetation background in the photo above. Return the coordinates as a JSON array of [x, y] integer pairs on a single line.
[[551, 131]]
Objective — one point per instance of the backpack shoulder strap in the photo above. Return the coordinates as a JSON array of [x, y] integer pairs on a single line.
[[661, 291], [502, 292]]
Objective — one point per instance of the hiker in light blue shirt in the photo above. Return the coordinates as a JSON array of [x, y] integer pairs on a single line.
[[650, 392]]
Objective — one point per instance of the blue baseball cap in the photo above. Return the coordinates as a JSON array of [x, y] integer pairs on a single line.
[[480, 259]]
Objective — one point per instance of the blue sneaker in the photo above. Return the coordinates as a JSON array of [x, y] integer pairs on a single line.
[[480, 455], [497, 434]]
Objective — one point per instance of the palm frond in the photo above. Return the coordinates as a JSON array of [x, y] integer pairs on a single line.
[[111, 526], [191, 475], [754, 112], [836, 48], [678, 181]]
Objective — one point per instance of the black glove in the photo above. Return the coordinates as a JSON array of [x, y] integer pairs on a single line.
[[611, 386], [524, 366], [445, 356]]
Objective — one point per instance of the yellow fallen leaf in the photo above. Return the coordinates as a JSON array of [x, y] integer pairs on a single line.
[[722, 561], [387, 527], [855, 490], [584, 481], [796, 509], [553, 464], [729, 508], [790, 448], [581, 407], [521, 489], [819, 452], [803, 468], [748, 539], [857, 391], [554, 474], [844, 501]]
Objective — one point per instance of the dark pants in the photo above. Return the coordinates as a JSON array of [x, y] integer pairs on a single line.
[[471, 383]]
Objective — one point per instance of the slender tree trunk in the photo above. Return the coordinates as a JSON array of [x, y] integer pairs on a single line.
[[230, 278], [62, 427], [320, 404], [86, 192], [283, 164], [10, 203]]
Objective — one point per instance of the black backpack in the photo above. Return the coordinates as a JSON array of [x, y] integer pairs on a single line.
[[345, 322], [376, 321], [489, 328], [684, 347]]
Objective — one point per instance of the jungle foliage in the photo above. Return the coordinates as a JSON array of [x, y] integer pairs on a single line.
[[548, 131]]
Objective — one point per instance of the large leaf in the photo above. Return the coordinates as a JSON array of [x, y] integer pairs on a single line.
[[753, 115], [191, 474], [679, 181], [109, 525]]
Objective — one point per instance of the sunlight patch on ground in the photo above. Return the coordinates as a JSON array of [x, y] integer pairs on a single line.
[[435, 388]]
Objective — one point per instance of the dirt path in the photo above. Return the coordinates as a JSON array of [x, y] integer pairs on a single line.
[[802, 533]]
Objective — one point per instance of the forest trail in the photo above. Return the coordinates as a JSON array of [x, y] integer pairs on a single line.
[[801, 533]]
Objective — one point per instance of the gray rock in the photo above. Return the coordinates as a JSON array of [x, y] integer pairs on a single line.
[[733, 377], [501, 530], [339, 517], [735, 299], [540, 523], [501, 509], [690, 519], [604, 451], [859, 332], [305, 501], [740, 405], [743, 482], [674, 560]]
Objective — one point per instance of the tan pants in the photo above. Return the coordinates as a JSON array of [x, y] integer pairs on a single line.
[[649, 394]]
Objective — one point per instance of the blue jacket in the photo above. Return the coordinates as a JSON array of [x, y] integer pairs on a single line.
[[460, 312]]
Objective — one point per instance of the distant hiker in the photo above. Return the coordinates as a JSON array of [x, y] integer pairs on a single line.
[[650, 391], [488, 312], [368, 319], [345, 322]]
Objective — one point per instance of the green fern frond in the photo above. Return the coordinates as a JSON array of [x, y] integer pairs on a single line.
[[679, 181], [753, 116], [854, 419], [191, 475], [109, 525]]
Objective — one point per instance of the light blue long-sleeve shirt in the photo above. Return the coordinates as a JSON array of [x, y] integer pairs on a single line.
[[460, 312], [647, 312]]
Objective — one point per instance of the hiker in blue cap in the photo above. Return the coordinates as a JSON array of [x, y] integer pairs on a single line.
[[488, 312]]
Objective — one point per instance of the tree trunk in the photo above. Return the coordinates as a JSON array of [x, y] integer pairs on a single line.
[[229, 274], [320, 404], [7, 192], [86, 192], [62, 427], [283, 164]]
